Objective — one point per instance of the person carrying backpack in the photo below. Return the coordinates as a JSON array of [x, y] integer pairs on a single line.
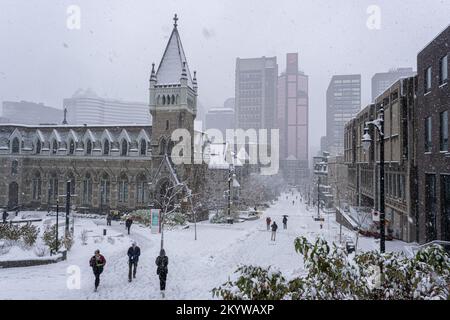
[[274, 231]]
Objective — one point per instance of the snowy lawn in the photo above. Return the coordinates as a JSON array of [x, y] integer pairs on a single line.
[[195, 267]]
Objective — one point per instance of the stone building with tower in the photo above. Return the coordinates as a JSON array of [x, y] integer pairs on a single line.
[[123, 167]]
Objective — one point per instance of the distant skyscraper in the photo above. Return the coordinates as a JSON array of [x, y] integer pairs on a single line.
[[31, 113], [256, 89], [292, 117], [382, 81], [85, 107], [343, 103], [220, 118], [230, 103]]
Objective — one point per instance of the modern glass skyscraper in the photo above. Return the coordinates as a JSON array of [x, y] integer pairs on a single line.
[[343, 103], [256, 88]]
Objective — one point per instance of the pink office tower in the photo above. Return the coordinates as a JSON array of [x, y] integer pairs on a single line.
[[292, 114]]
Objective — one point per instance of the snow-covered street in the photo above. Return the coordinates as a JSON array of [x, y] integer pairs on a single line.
[[195, 267]]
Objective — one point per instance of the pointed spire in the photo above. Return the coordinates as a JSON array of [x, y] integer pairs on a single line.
[[183, 72], [153, 75], [194, 80], [172, 63], [65, 116], [175, 20]]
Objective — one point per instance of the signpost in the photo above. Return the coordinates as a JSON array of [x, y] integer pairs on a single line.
[[155, 215]]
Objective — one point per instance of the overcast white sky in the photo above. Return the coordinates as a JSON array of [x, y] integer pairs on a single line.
[[43, 61]]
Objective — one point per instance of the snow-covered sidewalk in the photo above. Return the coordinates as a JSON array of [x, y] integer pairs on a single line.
[[195, 266]]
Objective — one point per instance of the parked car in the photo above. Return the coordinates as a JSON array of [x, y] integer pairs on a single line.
[[349, 245]]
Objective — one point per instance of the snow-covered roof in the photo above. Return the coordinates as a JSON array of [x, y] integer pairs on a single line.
[[171, 65]]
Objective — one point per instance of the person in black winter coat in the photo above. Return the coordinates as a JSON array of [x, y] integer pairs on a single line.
[[97, 263], [285, 222], [133, 257], [274, 230], [128, 224], [162, 261], [5, 216]]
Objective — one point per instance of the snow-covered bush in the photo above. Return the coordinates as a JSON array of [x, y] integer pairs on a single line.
[[4, 247], [49, 238], [29, 234], [68, 241], [10, 232], [254, 283], [332, 275], [40, 250], [13, 233]]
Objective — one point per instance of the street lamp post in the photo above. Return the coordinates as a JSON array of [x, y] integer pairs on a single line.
[[367, 141], [68, 195], [57, 224], [318, 198], [231, 175]]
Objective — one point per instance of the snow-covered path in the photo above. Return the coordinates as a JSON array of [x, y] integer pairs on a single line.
[[195, 267]]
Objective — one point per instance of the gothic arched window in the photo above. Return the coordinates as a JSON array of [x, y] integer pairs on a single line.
[[36, 186], [71, 147], [141, 189], [173, 99], [123, 188], [104, 189], [124, 148], [54, 147], [89, 147], [143, 147], [162, 147], [87, 189], [106, 148], [15, 146], [164, 100], [167, 125], [14, 167], [38, 147]]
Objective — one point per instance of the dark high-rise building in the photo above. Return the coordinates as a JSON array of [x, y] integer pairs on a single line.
[[433, 153], [343, 103], [292, 116], [256, 89], [382, 81]]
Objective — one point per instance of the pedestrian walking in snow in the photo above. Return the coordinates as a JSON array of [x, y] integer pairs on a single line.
[[128, 223], [108, 219], [274, 231], [285, 222], [133, 257], [268, 221], [5, 216], [293, 202], [97, 263], [162, 261]]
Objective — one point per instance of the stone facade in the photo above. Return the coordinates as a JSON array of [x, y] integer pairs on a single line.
[[363, 166]]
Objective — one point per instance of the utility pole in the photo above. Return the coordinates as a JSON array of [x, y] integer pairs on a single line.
[[366, 141], [67, 205], [318, 198], [57, 225]]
